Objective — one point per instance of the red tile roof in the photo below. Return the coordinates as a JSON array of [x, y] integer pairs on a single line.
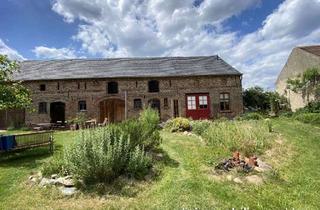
[[315, 49]]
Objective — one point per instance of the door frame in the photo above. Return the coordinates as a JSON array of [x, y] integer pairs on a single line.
[[198, 113]]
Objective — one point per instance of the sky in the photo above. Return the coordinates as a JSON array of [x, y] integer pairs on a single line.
[[254, 36]]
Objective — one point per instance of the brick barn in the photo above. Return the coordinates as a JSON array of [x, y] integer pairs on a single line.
[[203, 87]]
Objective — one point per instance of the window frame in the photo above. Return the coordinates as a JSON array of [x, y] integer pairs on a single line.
[[82, 103], [43, 108], [42, 87], [203, 103], [112, 87], [137, 101], [192, 102], [153, 86], [224, 102]]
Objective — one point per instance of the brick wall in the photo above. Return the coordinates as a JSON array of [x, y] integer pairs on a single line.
[[95, 90]]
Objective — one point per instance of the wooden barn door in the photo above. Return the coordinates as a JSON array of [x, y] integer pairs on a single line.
[[198, 106]]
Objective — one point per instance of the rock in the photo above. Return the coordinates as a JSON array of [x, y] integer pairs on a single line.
[[237, 180], [54, 176], [217, 178], [262, 166], [229, 177], [68, 191], [254, 179], [44, 182], [185, 132], [68, 182]]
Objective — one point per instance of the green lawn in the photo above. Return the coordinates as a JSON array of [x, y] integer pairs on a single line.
[[185, 181]]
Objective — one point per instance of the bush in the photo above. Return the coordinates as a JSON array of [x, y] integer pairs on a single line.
[[200, 126], [312, 118], [103, 154], [178, 124], [312, 107], [252, 116], [247, 137], [55, 165]]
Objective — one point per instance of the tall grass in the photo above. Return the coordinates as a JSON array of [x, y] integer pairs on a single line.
[[249, 137]]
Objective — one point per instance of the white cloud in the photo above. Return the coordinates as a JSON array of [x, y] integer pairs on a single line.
[[11, 53], [54, 53], [112, 28]]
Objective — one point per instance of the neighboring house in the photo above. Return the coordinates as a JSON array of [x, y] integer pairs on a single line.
[[300, 59], [119, 88]]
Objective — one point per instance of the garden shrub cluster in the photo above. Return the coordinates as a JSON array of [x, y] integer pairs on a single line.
[[312, 118], [248, 137], [200, 126], [250, 116], [178, 124], [102, 154]]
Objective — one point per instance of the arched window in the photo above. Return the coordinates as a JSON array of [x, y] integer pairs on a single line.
[[153, 86], [112, 87]]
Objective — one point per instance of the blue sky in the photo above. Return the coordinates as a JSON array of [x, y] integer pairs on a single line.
[[255, 36]]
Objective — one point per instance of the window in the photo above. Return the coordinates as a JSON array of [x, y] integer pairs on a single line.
[[42, 87], [224, 101], [191, 102], [165, 103], [137, 103], [203, 102], [42, 108], [85, 85], [153, 86], [58, 86], [175, 108], [78, 85], [82, 106], [112, 87]]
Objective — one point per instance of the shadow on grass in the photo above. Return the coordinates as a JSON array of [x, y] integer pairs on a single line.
[[28, 158]]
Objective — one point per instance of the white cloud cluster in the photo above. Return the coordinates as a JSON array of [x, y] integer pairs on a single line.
[[11, 53], [54, 53], [113, 28]]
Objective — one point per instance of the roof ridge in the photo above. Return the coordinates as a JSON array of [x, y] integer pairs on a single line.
[[124, 58]]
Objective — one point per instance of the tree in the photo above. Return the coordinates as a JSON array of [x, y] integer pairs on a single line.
[[307, 84], [255, 98], [13, 95]]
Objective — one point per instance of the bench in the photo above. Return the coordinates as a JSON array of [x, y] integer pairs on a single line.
[[32, 140]]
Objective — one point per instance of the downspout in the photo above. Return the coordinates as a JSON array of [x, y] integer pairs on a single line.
[[125, 106]]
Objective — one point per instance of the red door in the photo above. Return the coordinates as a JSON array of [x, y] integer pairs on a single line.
[[198, 106]]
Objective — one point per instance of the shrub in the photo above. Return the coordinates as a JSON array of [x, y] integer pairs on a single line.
[[149, 126], [252, 116], [55, 165], [138, 163], [178, 124], [103, 154], [247, 137], [312, 118], [200, 126]]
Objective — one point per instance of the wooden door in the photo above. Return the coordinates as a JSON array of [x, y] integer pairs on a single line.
[[198, 106]]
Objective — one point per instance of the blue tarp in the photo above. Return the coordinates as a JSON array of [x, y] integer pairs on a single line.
[[7, 142]]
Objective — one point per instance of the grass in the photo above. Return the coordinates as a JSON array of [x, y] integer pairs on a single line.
[[185, 179]]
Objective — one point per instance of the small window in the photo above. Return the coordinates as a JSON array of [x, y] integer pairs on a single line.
[[137, 103], [165, 102], [42, 87], [136, 84], [224, 101], [153, 86], [42, 108], [82, 106], [78, 85], [203, 102], [58, 86], [85, 85], [191, 102], [112, 87]]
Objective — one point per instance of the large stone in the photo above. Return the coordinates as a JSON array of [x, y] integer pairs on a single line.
[[254, 179], [44, 182], [262, 166], [68, 191], [68, 182], [54, 176], [237, 180]]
